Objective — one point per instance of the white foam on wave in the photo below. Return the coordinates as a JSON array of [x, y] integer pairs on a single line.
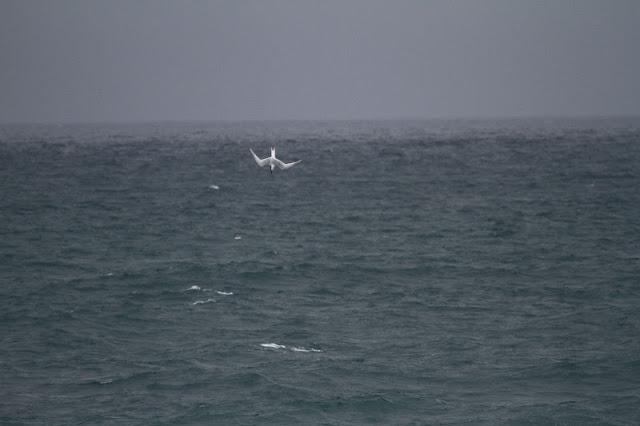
[[272, 346], [292, 348], [224, 293], [216, 187], [297, 349], [237, 237], [200, 302], [194, 288]]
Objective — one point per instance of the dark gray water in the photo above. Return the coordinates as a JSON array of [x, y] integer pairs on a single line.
[[427, 272]]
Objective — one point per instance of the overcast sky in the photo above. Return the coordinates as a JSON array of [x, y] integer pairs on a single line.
[[93, 60]]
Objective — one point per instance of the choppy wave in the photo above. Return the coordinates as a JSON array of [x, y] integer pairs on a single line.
[[202, 302], [301, 349], [272, 346], [291, 348], [468, 272]]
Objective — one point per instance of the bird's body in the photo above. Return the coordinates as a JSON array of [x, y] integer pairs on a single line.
[[272, 161]]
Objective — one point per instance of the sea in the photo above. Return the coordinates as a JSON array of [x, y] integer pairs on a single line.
[[406, 272]]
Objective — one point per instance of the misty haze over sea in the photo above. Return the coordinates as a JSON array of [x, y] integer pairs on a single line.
[[115, 61]]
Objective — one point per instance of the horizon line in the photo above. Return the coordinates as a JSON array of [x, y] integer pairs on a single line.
[[335, 119]]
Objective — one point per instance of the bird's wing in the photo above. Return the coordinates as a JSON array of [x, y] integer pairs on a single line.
[[261, 162], [282, 165]]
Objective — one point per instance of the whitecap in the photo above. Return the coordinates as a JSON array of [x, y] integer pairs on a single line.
[[216, 187], [224, 293], [297, 349], [109, 274], [200, 302], [272, 346], [237, 237], [194, 288]]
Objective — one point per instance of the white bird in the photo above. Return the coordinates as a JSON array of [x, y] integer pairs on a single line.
[[272, 161]]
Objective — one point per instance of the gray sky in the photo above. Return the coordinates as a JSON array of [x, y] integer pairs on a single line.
[[122, 60]]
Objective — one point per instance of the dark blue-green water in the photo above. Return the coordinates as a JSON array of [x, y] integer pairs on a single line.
[[409, 273]]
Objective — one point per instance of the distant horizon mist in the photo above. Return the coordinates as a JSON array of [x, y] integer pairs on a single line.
[[71, 61]]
